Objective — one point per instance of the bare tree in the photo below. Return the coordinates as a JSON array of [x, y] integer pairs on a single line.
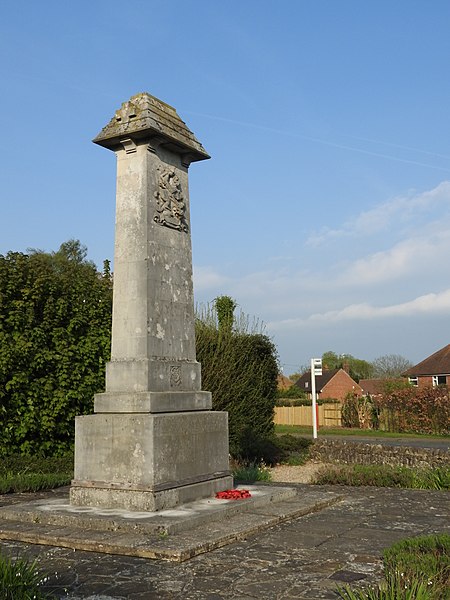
[[390, 366], [301, 371]]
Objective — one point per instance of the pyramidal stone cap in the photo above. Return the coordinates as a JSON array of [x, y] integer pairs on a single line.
[[147, 117]]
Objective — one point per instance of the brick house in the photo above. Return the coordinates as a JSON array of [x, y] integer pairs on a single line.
[[335, 383], [433, 371], [376, 387]]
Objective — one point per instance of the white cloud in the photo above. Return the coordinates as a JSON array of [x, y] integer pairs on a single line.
[[428, 304], [387, 215], [206, 278], [339, 297], [414, 265], [423, 254]]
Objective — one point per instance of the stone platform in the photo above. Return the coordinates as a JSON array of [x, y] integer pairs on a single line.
[[303, 558], [175, 535]]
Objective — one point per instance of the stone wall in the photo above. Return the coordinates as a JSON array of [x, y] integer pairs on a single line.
[[342, 452]]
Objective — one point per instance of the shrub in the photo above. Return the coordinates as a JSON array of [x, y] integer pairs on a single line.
[[32, 482], [427, 556], [359, 411], [250, 472], [349, 413], [55, 320], [294, 450], [240, 369], [392, 588], [292, 392], [17, 463]]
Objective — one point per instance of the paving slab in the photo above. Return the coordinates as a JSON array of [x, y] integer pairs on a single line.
[[175, 534], [302, 558]]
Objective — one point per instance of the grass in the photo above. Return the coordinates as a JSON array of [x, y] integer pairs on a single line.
[[32, 473], [385, 476], [340, 431], [20, 579], [29, 473], [423, 555], [250, 472], [414, 569]]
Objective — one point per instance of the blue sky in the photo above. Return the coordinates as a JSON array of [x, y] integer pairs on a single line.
[[325, 209]]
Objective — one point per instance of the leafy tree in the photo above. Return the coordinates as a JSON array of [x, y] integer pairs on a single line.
[[295, 376], [55, 320], [225, 307], [390, 366], [291, 392], [107, 270], [357, 368]]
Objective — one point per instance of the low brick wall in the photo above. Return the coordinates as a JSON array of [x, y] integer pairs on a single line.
[[338, 451]]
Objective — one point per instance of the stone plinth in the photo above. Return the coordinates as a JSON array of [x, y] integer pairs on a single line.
[[149, 462], [153, 441]]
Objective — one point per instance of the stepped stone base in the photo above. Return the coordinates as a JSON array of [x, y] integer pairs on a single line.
[[145, 500], [191, 529]]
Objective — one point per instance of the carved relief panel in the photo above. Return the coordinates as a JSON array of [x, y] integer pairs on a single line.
[[170, 203]]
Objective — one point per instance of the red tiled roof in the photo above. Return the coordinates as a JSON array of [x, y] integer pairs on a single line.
[[436, 364], [372, 386], [376, 386]]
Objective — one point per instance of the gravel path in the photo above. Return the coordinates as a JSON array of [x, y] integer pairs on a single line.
[[296, 474]]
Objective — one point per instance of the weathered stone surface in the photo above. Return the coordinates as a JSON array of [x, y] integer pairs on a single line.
[[301, 557], [151, 443], [280, 503], [149, 461], [355, 452], [198, 527], [151, 402], [146, 116]]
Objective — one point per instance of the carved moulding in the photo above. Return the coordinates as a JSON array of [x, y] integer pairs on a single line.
[[175, 376], [170, 203]]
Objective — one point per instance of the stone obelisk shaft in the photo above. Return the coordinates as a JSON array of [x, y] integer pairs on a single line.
[[153, 441]]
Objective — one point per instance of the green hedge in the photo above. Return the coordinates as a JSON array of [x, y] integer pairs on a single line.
[[55, 322], [417, 410], [401, 409], [55, 331], [240, 369]]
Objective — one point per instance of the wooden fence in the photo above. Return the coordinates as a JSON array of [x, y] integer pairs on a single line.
[[329, 415]]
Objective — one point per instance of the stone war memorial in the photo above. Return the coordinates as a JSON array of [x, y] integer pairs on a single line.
[[153, 442], [154, 454]]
